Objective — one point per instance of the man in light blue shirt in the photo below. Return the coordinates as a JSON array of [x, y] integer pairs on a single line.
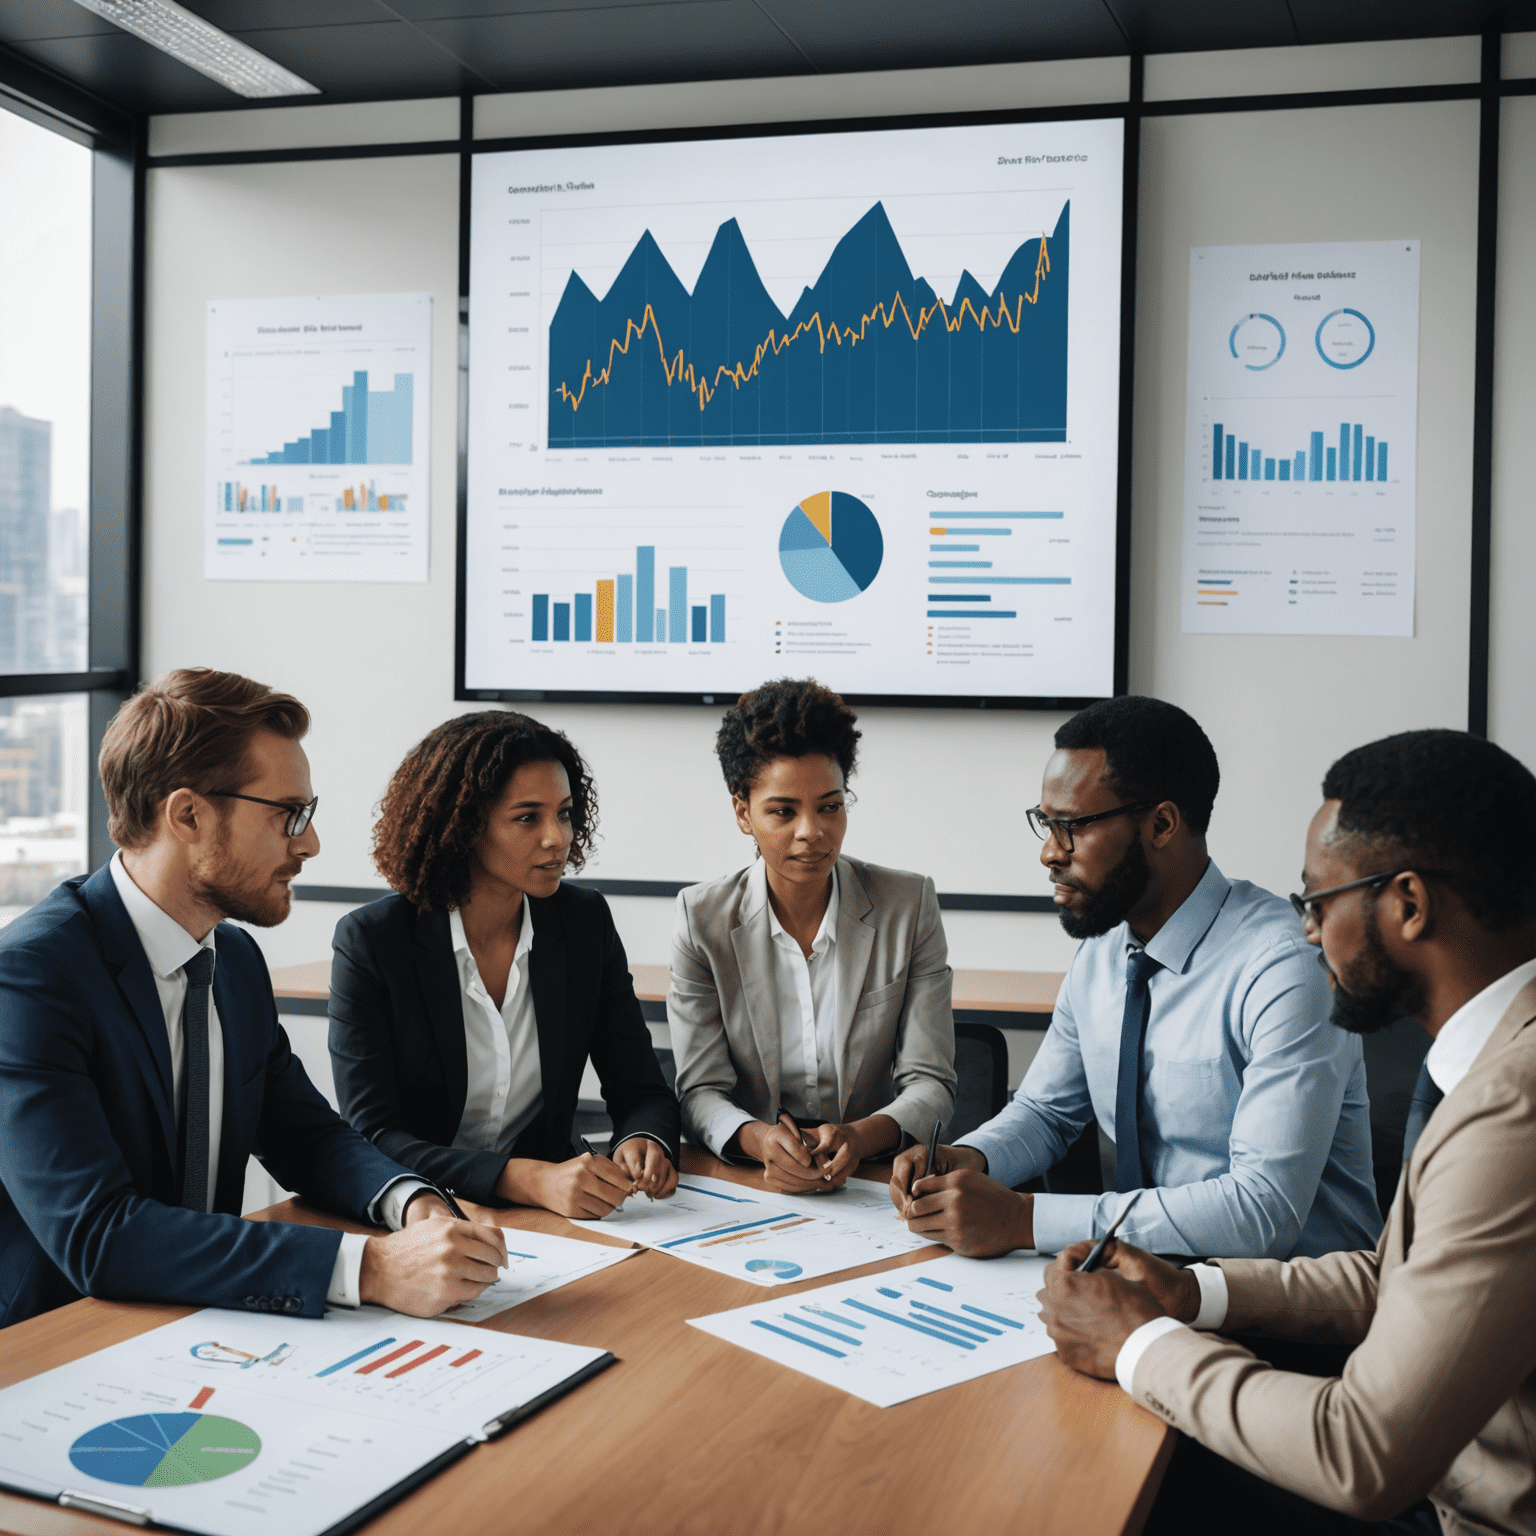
[[1193, 1024]]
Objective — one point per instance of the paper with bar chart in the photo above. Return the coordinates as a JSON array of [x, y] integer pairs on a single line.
[[319, 413], [765, 1238], [1301, 439], [843, 403], [233, 1423], [902, 1334]]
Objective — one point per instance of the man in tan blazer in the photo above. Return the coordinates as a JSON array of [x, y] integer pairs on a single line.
[[1421, 894]]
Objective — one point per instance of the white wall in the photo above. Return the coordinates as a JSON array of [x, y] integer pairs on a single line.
[[943, 791]]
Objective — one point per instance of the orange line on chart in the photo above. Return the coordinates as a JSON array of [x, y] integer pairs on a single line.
[[705, 391]]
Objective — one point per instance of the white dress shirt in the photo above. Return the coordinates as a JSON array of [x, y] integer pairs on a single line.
[[168, 946], [805, 991], [1450, 1058], [506, 1084]]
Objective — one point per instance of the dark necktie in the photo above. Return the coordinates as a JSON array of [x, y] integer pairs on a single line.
[[1138, 1004], [194, 1035], [1426, 1095]]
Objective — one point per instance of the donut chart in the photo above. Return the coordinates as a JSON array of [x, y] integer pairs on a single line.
[[165, 1450], [831, 547], [780, 1267]]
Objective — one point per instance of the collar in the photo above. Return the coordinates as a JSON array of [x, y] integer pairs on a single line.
[[167, 945], [1466, 1032], [1173, 943], [826, 935], [461, 942]]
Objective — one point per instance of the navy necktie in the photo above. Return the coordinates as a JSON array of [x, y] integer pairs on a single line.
[[194, 1035], [1426, 1095], [1133, 1026]]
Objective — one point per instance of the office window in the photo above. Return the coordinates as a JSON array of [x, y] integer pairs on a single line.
[[45, 397], [43, 780]]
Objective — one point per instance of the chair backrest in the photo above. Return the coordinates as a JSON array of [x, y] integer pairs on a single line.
[[981, 1065], [1393, 1057]]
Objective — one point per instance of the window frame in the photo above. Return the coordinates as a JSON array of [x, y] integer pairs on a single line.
[[118, 145]]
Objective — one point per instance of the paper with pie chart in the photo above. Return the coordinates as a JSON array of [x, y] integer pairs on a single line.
[[234, 1423], [765, 1238]]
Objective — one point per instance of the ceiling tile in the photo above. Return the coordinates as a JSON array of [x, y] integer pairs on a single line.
[[248, 15], [451, 10], [127, 71], [1366, 20], [23, 20], [370, 61], [1192, 26], [613, 45], [915, 34]]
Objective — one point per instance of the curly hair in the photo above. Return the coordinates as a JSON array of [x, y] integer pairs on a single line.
[[788, 717], [441, 797], [1458, 804], [1152, 751]]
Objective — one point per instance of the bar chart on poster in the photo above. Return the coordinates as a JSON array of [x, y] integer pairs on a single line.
[[1301, 436], [317, 458], [840, 402]]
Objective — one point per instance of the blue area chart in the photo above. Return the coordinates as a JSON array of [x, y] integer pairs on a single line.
[[868, 354], [830, 547]]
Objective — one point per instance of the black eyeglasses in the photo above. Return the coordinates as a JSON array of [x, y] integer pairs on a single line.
[[299, 816], [1064, 827], [1306, 903]]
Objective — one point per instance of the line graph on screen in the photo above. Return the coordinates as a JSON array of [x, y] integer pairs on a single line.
[[869, 353]]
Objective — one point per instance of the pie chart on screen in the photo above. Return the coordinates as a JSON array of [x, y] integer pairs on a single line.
[[831, 547]]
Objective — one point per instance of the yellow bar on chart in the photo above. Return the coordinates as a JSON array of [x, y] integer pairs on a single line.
[[605, 612]]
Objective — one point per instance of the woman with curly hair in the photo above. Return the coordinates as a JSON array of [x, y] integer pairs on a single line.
[[464, 1008], [810, 995]]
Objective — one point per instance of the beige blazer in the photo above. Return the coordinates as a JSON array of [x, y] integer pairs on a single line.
[[894, 1035], [1439, 1396]]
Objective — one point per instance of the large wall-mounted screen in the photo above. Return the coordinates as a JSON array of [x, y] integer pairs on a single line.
[[841, 404]]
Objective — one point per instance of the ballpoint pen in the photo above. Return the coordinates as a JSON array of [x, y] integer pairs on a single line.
[[592, 1151], [1096, 1253], [799, 1131], [931, 1166]]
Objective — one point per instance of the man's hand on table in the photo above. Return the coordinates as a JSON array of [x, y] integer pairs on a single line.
[[959, 1205], [434, 1262], [1089, 1317]]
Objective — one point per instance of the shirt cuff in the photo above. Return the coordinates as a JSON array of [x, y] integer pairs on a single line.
[[1137, 1345], [644, 1136], [723, 1126], [387, 1208], [1061, 1220], [1213, 1296], [346, 1272]]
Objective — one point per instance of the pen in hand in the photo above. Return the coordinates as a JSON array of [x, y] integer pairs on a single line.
[[1096, 1253], [799, 1130], [932, 1165], [592, 1151]]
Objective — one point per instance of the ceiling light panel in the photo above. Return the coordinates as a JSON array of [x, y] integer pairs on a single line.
[[197, 43]]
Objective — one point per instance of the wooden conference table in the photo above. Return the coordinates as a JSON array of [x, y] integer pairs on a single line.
[[687, 1433]]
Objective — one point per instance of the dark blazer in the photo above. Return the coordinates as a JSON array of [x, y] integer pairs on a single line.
[[90, 1174], [397, 1037]]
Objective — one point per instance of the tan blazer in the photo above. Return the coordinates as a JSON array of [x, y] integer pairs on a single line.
[[894, 1035], [1439, 1397]]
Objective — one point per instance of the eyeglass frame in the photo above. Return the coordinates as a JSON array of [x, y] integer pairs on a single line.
[[299, 816], [1057, 824], [1301, 900]]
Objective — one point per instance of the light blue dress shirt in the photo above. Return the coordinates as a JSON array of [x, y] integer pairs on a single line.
[[1255, 1124]]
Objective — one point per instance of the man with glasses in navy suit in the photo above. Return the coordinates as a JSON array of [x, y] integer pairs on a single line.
[[142, 1062]]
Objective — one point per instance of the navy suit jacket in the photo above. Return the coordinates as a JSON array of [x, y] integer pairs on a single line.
[[90, 1175], [397, 1037]]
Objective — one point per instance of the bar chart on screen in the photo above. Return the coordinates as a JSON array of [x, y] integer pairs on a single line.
[[318, 412]]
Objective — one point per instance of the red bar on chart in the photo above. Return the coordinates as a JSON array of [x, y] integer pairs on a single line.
[[474, 1354], [410, 1365], [394, 1354], [201, 1398]]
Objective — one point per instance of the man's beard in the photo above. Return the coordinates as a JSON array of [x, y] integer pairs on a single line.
[[1111, 904], [1373, 991], [239, 891]]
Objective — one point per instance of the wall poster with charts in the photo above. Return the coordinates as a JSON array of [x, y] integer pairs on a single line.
[[1301, 439], [319, 413], [837, 403]]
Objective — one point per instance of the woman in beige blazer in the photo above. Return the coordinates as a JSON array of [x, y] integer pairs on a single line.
[[810, 996]]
